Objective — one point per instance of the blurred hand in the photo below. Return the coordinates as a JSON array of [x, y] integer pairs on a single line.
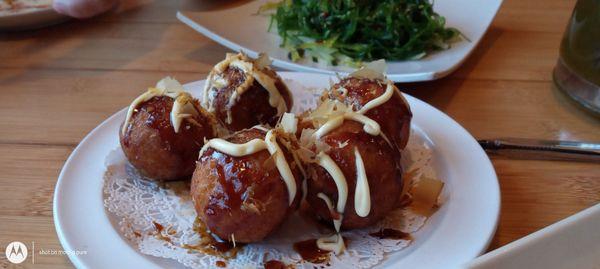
[[82, 9]]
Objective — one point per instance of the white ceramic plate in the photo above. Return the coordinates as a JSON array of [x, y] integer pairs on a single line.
[[457, 233], [239, 29], [570, 243], [30, 18]]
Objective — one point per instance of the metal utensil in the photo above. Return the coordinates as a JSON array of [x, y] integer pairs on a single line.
[[522, 148]]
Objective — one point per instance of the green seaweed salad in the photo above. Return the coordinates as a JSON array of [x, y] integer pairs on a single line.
[[353, 31]]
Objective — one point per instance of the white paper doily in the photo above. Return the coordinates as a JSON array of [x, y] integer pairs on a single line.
[[137, 204]]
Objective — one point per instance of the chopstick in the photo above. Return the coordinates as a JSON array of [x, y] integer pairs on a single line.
[[560, 150]]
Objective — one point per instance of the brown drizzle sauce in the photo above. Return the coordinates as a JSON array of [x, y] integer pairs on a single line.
[[310, 252], [221, 264], [222, 247], [275, 264], [159, 110], [158, 226], [210, 245], [159, 234], [391, 234]]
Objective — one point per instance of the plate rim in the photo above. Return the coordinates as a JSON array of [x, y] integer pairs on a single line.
[[80, 263]]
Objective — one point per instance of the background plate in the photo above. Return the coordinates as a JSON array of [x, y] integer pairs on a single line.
[[569, 243], [237, 27], [459, 231], [30, 18]]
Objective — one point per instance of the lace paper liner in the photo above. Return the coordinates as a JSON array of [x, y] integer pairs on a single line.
[[137, 204]]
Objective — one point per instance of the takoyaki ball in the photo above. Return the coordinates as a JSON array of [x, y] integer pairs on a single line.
[[239, 100], [383, 174], [242, 198], [393, 116], [151, 144]]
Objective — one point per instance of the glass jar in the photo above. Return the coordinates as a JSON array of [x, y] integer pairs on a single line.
[[577, 72]]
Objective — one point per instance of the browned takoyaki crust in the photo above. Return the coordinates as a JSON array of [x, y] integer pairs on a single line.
[[393, 116], [382, 168], [252, 107], [152, 146], [242, 198]]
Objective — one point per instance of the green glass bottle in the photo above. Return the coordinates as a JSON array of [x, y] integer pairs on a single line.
[[578, 69]]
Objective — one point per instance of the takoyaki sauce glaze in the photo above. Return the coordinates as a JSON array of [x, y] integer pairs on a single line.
[[234, 179], [221, 264], [159, 110]]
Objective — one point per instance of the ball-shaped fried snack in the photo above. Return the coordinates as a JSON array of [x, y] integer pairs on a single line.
[[383, 173], [242, 198], [238, 104], [393, 116], [151, 144]]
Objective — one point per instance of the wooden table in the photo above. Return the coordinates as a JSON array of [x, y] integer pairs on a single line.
[[58, 83]]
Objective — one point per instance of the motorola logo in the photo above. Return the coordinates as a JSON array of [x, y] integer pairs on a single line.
[[16, 252]]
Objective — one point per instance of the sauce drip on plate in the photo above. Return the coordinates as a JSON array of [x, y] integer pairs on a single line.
[[275, 264], [310, 252]]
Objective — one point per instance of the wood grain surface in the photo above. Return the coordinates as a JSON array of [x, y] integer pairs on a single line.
[[58, 83]]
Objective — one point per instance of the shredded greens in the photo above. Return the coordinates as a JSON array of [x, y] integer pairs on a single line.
[[354, 31]]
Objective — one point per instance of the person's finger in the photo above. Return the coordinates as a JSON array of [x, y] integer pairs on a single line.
[[82, 9]]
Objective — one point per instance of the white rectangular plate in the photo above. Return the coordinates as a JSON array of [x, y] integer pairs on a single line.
[[570, 243], [241, 29]]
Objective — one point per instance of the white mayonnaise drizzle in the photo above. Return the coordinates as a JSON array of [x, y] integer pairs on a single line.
[[340, 182], [282, 164], [183, 106], [260, 127], [369, 126], [236, 150], [334, 242], [362, 195], [327, 201], [275, 98], [253, 69], [389, 91], [256, 145], [329, 126]]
